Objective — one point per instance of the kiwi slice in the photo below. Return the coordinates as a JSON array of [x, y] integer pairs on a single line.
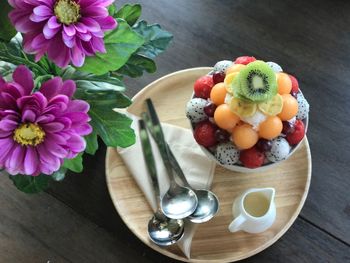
[[272, 107], [257, 82], [243, 108]]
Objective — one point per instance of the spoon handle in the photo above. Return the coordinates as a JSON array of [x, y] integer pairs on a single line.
[[153, 123], [177, 168], [149, 160]]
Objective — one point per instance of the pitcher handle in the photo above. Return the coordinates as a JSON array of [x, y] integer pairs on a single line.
[[236, 223]]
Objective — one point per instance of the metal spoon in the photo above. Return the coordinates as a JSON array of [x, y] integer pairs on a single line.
[[162, 230], [179, 201], [208, 203]]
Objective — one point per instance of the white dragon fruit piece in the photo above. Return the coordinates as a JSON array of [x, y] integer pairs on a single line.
[[221, 66], [279, 151], [275, 67], [227, 154], [303, 107], [195, 110]]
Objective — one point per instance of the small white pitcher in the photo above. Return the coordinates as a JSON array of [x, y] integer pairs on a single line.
[[254, 211]]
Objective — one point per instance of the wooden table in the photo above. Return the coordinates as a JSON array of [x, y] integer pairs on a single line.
[[75, 220]]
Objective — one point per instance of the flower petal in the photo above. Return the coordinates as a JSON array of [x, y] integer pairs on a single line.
[[31, 161], [28, 116], [69, 30], [8, 125], [15, 160], [107, 23], [78, 106], [77, 56], [68, 88], [51, 87], [53, 127], [43, 10], [53, 23], [83, 130], [49, 33], [76, 143], [24, 77]]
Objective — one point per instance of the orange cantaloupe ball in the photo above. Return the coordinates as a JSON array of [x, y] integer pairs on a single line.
[[244, 136], [284, 83], [290, 107], [225, 118], [270, 128], [234, 68], [218, 94]]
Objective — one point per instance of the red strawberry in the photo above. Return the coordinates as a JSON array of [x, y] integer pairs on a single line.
[[203, 86], [295, 84], [204, 133], [252, 158], [298, 134], [244, 60]]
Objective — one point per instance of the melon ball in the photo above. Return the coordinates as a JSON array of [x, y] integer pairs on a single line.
[[244, 136], [225, 118], [270, 128], [289, 109]]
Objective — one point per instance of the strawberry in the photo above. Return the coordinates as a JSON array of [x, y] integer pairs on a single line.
[[203, 86], [244, 60], [295, 84], [252, 158], [298, 134], [204, 134]]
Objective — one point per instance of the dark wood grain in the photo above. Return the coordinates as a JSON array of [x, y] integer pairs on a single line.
[[41, 229], [309, 39]]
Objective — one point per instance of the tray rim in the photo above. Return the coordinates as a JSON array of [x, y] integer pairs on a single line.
[[183, 258]]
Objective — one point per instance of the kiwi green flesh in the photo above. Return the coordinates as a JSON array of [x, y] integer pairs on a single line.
[[235, 87], [257, 82]]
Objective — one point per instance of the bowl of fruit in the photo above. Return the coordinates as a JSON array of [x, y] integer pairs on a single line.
[[248, 115]]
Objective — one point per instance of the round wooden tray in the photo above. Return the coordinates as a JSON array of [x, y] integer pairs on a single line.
[[212, 241]]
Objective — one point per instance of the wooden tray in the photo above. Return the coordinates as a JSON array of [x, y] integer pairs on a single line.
[[212, 241]]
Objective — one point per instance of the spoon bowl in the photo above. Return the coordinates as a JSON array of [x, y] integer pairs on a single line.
[[208, 206], [179, 202], [165, 231]]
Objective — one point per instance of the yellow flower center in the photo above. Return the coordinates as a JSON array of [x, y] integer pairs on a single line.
[[67, 11], [29, 134]]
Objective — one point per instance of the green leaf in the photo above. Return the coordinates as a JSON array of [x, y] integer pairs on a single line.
[[120, 44], [156, 39], [111, 10], [31, 184], [136, 65], [75, 164], [7, 31], [113, 127], [109, 98], [12, 52], [60, 174], [130, 13], [91, 143], [103, 82], [6, 70]]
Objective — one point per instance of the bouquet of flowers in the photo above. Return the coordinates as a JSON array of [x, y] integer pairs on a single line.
[[61, 74]]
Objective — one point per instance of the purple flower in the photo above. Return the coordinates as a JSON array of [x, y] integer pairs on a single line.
[[65, 30], [38, 130]]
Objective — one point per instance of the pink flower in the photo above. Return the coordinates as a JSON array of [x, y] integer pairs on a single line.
[[38, 130], [65, 30]]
